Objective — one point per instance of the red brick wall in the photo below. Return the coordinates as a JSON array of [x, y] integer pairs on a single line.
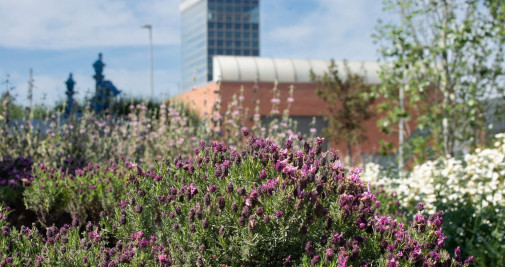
[[306, 103]]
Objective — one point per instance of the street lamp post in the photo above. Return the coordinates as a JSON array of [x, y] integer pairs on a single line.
[[150, 28]]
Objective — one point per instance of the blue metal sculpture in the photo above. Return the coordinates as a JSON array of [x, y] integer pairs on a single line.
[[105, 90], [70, 94]]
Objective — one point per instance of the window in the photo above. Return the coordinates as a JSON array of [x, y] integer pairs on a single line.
[[255, 16], [238, 43], [255, 26]]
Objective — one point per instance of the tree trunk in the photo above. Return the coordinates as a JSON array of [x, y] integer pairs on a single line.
[[444, 83]]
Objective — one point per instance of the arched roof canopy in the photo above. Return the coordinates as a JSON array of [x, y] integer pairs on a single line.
[[284, 70]]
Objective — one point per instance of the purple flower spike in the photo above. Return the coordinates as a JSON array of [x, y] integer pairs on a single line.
[[279, 213], [329, 255], [212, 188], [259, 211], [469, 260], [457, 254], [138, 208], [420, 206]]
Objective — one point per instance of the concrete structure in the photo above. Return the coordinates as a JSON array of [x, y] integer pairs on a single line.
[[215, 27], [257, 76]]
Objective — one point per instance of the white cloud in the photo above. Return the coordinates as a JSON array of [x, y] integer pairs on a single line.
[[70, 24], [332, 29]]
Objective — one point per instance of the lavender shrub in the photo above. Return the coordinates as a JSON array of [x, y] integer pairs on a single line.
[[262, 205]]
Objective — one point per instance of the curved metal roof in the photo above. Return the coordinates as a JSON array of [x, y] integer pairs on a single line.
[[284, 70]]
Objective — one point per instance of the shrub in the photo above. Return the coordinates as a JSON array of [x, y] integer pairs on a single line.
[[470, 190], [261, 205]]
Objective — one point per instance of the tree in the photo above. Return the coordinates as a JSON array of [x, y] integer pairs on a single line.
[[443, 61], [349, 105]]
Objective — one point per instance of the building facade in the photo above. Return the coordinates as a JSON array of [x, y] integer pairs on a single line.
[[258, 75], [215, 27]]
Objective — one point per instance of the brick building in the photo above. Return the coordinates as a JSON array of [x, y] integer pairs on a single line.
[[257, 76]]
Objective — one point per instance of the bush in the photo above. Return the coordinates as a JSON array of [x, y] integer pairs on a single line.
[[262, 205], [470, 190]]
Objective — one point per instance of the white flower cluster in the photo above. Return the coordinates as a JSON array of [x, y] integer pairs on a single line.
[[478, 178]]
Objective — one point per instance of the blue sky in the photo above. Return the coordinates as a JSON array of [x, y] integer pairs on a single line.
[[55, 37]]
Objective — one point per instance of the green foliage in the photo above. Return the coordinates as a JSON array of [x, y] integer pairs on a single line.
[[447, 58], [349, 100], [257, 206]]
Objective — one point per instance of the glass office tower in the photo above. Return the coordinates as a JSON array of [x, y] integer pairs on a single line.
[[216, 27]]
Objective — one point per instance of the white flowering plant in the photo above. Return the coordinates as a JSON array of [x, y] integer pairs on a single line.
[[470, 190]]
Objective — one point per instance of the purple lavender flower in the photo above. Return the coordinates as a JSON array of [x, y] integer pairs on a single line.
[[241, 191], [94, 235], [329, 254], [192, 189], [162, 258], [457, 254], [392, 263], [229, 187], [234, 207], [138, 208], [287, 261], [420, 206], [212, 188], [262, 174], [289, 170], [289, 143], [259, 211], [221, 203], [206, 199], [342, 260], [309, 249], [141, 193], [241, 221], [279, 213], [469, 260]]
